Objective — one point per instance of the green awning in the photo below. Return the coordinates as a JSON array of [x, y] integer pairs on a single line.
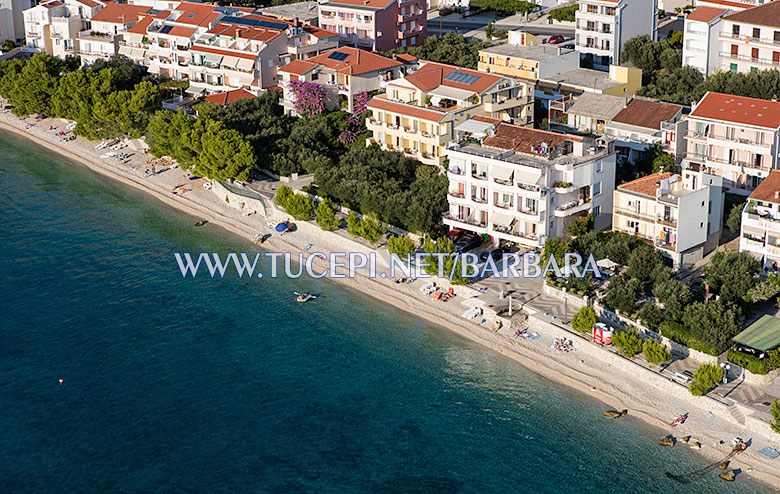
[[763, 335]]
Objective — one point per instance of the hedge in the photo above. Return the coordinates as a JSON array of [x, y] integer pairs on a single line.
[[751, 363], [677, 333]]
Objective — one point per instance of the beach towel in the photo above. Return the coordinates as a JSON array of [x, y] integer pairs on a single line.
[[709, 415], [770, 452]]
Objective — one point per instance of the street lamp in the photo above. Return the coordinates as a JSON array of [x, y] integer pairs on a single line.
[[725, 368]]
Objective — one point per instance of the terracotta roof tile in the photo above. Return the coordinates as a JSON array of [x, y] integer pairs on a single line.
[[762, 15], [409, 110], [524, 139], [318, 32], [432, 75], [645, 185], [89, 3], [647, 114], [229, 96], [228, 53], [405, 57], [373, 4], [120, 13], [298, 67], [141, 26], [739, 109], [356, 62], [768, 187], [705, 14]]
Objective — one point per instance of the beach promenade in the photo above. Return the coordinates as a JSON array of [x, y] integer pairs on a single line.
[[618, 382]]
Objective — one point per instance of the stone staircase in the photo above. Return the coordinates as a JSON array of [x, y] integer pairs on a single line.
[[737, 413]]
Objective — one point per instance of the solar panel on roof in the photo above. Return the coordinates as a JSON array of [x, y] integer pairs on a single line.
[[462, 78], [338, 56], [254, 22], [165, 29]]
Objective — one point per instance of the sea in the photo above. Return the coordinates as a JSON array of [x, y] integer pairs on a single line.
[[172, 385]]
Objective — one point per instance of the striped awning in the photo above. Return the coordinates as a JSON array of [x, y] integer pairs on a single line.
[[501, 219], [230, 62], [125, 51], [245, 64], [501, 173], [213, 58], [528, 178]]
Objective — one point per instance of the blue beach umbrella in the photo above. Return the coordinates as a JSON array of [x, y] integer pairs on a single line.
[[280, 227]]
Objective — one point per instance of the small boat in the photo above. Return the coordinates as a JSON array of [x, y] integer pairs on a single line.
[[200, 223], [304, 297]]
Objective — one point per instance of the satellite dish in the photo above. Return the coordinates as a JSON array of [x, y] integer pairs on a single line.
[[491, 133]]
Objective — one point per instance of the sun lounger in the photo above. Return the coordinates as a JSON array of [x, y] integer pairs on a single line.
[[681, 378]]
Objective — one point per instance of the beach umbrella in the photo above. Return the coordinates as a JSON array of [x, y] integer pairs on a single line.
[[280, 227], [606, 263]]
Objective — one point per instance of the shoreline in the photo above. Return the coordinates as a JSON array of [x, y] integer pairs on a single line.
[[567, 369]]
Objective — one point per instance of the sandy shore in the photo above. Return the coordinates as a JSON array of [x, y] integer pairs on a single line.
[[578, 369]]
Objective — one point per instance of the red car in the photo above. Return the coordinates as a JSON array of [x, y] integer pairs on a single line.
[[555, 39]]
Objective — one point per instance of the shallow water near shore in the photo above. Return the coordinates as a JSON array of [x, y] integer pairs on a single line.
[[173, 385]]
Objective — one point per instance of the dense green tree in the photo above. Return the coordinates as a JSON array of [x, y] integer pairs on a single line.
[[557, 247], [326, 216], [30, 85], [706, 377], [300, 207], [565, 14], [401, 246], [732, 273], [651, 315], [127, 73], [77, 92], [765, 290], [713, 323], [622, 295], [451, 48], [627, 342], [775, 411], [580, 226], [675, 295], [283, 196], [427, 200], [655, 353], [643, 261], [584, 319], [734, 220], [225, 154]]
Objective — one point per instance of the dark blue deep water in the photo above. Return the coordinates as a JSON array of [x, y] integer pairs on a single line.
[[201, 386]]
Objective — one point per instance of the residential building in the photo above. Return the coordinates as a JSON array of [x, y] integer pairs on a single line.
[[53, 27], [376, 25], [12, 19], [750, 39], [523, 56], [619, 81], [305, 12], [525, 185], [419, 112], [733, 137], [679, 214], [760, 234], [590, 112], [641, 124], [345, 73], [603, 26], [101, 40], [701, 39]]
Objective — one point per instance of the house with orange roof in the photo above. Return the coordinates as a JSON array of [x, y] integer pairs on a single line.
[[680, 215], [54, 26], [524, 185], [344, 73], [418, 113], [101, 41], [702, 39], [602, 27], [749, 39], [376, 25], [734, 137], [760, 228], [644, 122]]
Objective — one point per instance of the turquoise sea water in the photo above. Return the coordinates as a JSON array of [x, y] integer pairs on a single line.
[[203, 386]]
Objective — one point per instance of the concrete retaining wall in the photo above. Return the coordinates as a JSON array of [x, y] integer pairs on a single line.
[[239, 202]]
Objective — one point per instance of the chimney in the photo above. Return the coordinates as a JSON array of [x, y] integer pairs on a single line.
[[777, 194]]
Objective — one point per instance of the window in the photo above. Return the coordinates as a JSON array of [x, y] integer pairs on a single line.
[[733, 67], [735, 29], [709, 208], [597, 189], [596, 211], [592, 9], [734, 50], [599, 166], [315, 76], [270, 63], [754, 53], [413, 41], [756, 32], [776, 57], [610, 10], [754, 69]]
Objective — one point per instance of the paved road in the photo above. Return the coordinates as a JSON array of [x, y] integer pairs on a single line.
[[465, 26]]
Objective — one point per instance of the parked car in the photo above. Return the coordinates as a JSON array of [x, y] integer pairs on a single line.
[[467, 242], [494, 253], [455, 234], [555, 39]]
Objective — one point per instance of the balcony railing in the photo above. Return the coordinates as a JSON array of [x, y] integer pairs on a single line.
[[480, 200], [745, 58]]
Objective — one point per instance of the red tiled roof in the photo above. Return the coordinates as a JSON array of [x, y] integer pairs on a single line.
[[239, 31], [374, 4], [705, 14], [523, 139], [647, 114], [486, 119], [432, 75], [645, 185], [120, 13], [184, 32], [50, 5], [196, 14], [727, 3], [89, 3], [411, 111], [319, 33], [739, 109], [140, 26], [356, 62], [229, 96], [405, 57], [299, 67], [768, 187], [162, 15], [762, 15], [228, 53]]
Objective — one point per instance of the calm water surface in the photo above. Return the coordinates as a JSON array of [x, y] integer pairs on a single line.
[[228, 386]]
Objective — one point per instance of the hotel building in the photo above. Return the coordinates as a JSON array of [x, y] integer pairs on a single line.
[[760, 235]]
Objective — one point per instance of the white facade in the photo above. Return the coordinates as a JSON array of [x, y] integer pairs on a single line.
[[701, 41], [527, 197], [604, 26], [760, 233], [680, 215], [12, 19]]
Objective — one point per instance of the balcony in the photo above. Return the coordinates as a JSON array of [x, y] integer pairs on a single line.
[[479, 200], [667, 221], [633, 214], [505, 205], [745, 58], [502, 104], [670, 246], [754, 244], [467, 223], [573, 207]]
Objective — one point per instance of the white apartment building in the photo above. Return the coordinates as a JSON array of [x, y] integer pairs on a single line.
[[53, 27], [640, 124], [603, 26], [525, 185], [418, 113], [733, 137], [701, 39], [12, 19], [760, 235], [750, 39], [679, 215]]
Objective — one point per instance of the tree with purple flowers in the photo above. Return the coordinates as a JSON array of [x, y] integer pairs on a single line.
[[309, 98], [359, 107]]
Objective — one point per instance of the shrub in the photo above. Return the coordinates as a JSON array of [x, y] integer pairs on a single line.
[[326, 216], [401, 246], [628, 342], [564, 13], [655, 353], [706, 377], [300, 207], [584, 319], [677, 333], [651, 314], [283, 195], [775, 410], [751, 363], [369, 228]]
